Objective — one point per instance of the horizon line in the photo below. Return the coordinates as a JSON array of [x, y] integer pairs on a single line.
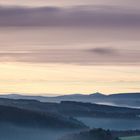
[[55, 95]]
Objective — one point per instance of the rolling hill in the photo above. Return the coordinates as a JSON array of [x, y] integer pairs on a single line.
[[28, 118], [74, 109], [121, 99]]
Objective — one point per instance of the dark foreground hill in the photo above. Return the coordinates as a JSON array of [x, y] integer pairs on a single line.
[[22, 117], [28, 118], [95, 134], [101, 134]]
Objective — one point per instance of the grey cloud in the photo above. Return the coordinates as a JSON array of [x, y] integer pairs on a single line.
[[83, 57], [88, 16], [104, 51]]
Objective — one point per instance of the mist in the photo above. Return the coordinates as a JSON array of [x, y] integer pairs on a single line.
[[13, 132], [111, 123]]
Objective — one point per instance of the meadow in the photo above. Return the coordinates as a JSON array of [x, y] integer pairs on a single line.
[[131, 138]]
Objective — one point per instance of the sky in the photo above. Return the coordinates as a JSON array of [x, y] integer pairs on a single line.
[[61, 3], [67, 47]]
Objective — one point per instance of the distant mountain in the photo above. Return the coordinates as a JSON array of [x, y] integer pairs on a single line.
[[125, 95], [19, 96], [97, 95], [121, 99]]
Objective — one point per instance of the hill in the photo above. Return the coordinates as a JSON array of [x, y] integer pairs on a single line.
[[22, 117], [74, 109], [94, 134], [120, 99]]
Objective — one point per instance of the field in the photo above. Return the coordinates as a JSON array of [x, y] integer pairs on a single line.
[[131, 138]]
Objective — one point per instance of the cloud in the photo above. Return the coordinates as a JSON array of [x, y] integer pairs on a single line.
[[83, 57], [93, 17], [78, 16], [104, 51], [36, 3]]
